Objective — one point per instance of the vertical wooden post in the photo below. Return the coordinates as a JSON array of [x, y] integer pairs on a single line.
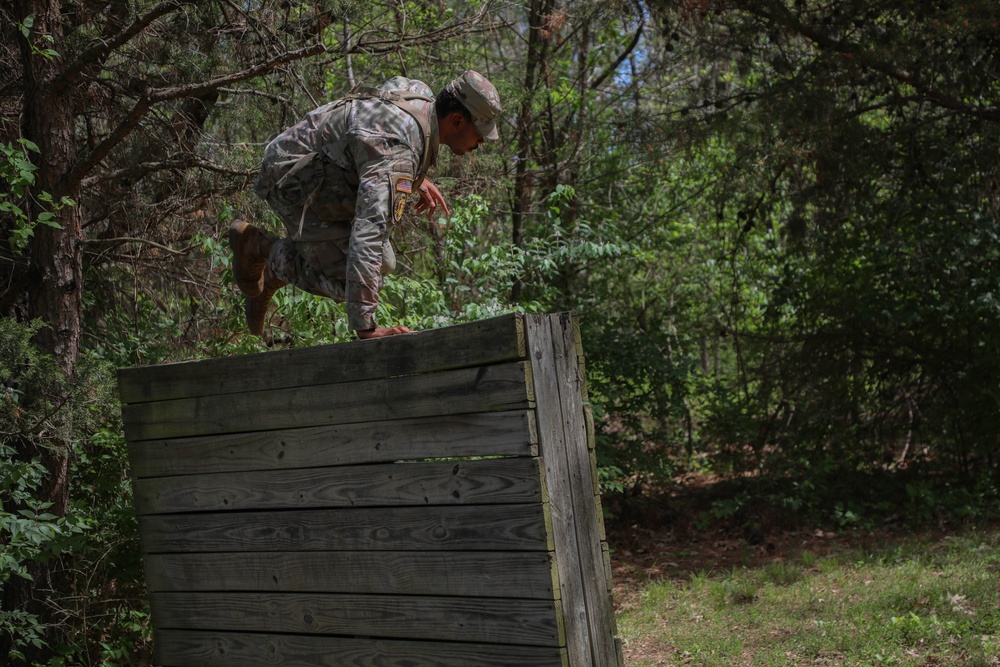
[[564, 445]]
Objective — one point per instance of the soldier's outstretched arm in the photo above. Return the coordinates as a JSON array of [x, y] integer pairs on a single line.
[[385, 168]]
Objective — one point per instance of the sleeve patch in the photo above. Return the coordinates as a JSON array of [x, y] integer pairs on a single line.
[[397, 212], [402, 189]]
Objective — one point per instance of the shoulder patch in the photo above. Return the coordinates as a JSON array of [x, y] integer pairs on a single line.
[[401, 188], [400, 206]]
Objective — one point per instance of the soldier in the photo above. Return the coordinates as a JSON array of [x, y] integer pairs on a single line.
[[340, 179]]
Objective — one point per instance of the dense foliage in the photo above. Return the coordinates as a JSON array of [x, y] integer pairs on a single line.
[[778, 220], [860, 191]]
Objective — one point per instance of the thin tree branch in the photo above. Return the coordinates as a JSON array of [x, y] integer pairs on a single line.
[[780, 15], [158, 95], [277, 99], [867, 60], [395, 42], [144, 169], [103, 47], [624, 54], [124, 240]]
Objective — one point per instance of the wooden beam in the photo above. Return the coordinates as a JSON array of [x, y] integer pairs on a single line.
[[486, 528], [481, 482], [484, 389], [487, 620], [511, 574], [482, 343], [509, 433], [573, 501], [187, 648]]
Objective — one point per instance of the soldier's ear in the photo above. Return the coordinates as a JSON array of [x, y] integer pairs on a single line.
[[455, 120]]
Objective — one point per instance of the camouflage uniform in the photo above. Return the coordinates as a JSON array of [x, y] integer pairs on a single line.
[[339, 181]]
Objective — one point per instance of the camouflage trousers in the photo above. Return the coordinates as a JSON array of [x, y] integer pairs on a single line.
[[318, 267], [317, 210]]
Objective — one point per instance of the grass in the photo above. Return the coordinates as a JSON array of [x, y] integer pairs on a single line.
[[914, 602]]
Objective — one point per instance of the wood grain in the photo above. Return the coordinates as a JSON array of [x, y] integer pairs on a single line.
[[524, 622], [574, 503], [483, 434], [483, 389], [512, 574], [480, 482], [486, 527], [480, 343], [188, 648]]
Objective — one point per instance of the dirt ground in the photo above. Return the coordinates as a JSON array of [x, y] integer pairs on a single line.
[[640, 554], [653, 545]]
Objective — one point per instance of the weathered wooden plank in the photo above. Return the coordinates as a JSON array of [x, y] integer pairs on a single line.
[[563, 446], [510, 574], [509, 433], [549, 415], [487, 620], [492, 341], [487, 528], [588, 515], [481, 482], [188, 648], [483, 389]]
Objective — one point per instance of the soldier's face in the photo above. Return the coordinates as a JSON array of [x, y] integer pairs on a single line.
[[465, 137]]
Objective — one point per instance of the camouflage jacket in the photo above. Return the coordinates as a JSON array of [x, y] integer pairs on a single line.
[[347, 170]]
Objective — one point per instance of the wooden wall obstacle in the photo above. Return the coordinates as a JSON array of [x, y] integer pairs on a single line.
[[428, 499]]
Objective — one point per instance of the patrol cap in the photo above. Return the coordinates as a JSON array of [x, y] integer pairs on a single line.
[[478, 95]]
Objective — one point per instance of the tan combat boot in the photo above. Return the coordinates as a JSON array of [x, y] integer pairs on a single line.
[[255, 307], [251, 247]]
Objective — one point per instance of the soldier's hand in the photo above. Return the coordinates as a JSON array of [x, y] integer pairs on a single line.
[[382, 332], [431, 199]]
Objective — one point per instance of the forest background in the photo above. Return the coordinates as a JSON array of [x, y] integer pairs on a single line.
[[777, 220]]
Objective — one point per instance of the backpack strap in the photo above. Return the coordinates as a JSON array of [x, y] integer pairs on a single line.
[[402, 100]]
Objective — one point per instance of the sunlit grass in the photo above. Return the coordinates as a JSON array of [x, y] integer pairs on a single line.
[[914, 603]]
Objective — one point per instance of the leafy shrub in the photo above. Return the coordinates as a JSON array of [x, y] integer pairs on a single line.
[[70, 575]]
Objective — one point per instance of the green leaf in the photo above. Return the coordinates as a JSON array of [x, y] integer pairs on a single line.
[[29, 144]]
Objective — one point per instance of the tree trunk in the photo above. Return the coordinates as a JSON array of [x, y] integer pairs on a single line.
[[54, 271], [55, 255], [537, 54], [55, 294]]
